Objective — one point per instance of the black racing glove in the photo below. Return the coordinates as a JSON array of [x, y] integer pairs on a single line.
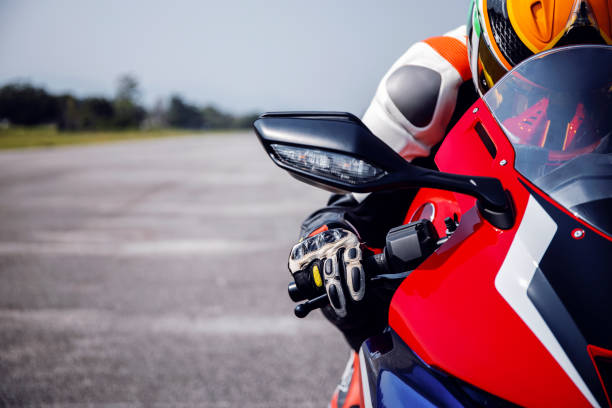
[[330, 262]]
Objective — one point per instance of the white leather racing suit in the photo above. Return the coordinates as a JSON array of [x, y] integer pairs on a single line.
[[417, 101]]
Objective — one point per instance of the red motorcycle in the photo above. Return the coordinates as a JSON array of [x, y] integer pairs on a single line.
[[502, 273]]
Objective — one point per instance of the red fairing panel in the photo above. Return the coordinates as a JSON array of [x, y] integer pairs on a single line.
[[449, 310]]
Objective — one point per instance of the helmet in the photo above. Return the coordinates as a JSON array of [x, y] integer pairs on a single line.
[[502, 33]]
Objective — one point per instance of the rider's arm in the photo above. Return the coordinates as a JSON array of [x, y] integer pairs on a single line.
[[370, 218], [421, 96], [415, 100]]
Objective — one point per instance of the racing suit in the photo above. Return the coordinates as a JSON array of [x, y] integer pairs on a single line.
[[417, 102]]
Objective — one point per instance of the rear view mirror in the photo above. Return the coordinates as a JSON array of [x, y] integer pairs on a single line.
[[337, 152]]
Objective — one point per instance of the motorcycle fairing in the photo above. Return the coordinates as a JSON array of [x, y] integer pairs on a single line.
[[527, 290], [478, 335], [575, 300]]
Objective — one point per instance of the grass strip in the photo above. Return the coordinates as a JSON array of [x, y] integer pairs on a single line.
[[16, 137]]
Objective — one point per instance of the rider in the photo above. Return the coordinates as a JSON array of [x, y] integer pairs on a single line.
[[418, 100]]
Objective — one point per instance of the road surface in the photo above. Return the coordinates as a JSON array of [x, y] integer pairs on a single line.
[[153, 273]]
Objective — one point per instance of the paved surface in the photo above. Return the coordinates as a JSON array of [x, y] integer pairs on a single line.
[[153, 273]]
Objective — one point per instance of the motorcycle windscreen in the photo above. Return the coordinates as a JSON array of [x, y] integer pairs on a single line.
[[556, 110]]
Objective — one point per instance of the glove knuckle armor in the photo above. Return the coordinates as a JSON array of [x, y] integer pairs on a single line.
[[338, 253]]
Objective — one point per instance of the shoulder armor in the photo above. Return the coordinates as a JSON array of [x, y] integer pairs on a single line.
[[414, 91], [415, 100]]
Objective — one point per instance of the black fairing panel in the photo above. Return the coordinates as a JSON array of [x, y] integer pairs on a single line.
[[552, 310], [572, 290], [580, 272]]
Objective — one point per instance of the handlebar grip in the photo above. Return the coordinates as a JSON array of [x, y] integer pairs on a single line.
[[294, 293], [375, 265]]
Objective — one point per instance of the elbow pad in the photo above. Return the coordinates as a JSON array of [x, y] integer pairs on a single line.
[[416, 98]]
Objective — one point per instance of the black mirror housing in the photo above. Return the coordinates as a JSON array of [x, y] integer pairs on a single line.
[[337, 152], [332, 131]]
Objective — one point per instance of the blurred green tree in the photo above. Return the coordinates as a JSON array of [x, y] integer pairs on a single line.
[[127, 110], [24, 104], [183, 115]]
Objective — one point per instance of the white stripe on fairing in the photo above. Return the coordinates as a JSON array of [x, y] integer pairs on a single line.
[[365, 384], [347, 374], [530, 243]]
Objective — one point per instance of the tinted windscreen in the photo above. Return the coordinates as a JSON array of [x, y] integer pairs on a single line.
[[556, 110]]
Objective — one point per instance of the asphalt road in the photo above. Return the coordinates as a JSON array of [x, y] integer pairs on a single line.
[[154, 273]]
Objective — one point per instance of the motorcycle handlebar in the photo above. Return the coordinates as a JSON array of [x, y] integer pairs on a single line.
[[375, 265], [406, 247]]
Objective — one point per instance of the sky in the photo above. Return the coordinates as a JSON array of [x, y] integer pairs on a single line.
[[243, 56]]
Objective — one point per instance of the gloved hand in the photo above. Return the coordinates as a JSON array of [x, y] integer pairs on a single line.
[[330, 262]]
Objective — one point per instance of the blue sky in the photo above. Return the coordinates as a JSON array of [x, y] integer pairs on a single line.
[[241, 55]]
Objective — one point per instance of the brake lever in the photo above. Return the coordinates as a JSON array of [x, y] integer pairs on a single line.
[[303, 309]]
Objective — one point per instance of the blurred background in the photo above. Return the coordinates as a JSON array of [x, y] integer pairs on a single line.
[[152, 270]]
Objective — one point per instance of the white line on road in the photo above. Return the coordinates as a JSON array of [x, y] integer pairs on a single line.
[[103, 321], [139, 248], [176, 209]]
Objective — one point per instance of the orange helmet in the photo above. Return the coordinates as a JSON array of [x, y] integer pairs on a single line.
[[502, 33]]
